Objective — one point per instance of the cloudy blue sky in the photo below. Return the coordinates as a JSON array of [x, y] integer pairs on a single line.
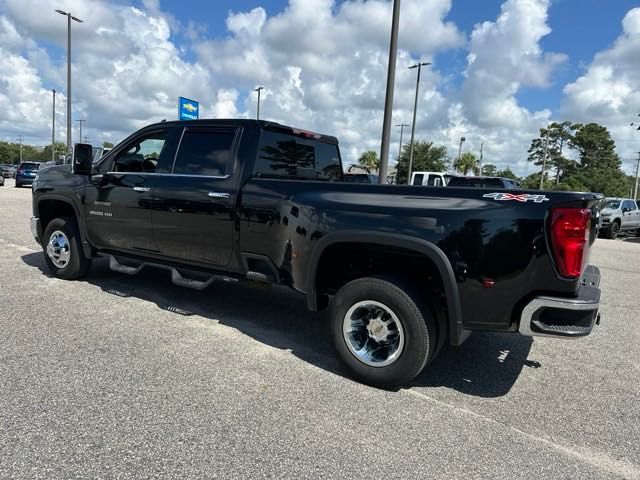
[[501, 69]]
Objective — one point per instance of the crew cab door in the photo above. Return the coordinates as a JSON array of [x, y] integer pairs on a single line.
[[194, 207], [630, 215], [118, 198]]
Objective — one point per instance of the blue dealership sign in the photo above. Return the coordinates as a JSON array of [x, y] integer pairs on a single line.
[[188, 109]]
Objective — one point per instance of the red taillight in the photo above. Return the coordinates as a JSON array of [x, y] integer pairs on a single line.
[[570, 228]]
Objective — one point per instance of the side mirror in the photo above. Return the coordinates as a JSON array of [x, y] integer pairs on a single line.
[[82, 160], [626, 209]]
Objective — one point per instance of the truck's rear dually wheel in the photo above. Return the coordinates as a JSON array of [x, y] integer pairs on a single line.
[[383, 333]]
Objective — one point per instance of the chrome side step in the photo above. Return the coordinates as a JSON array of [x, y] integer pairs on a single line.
[[176, 277]]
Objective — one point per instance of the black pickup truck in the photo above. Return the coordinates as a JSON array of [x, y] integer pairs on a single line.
[[405, 269]]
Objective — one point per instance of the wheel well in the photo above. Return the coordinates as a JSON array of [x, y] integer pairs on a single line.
[[343, 262], [617, 220], [50, 209]]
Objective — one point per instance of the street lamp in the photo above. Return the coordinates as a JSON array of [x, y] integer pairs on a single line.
[[462, 140], [53, 127], [401, 125], [259, 89], [388, 99], [69, 18], [80, 137], [415, 109]]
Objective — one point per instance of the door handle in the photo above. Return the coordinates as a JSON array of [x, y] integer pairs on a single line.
[[219, 195], [141, 189]]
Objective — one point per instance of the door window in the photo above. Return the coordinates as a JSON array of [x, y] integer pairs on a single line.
[[206, 152], [418, 178], [150, 153], [629, 205], [434, 181]]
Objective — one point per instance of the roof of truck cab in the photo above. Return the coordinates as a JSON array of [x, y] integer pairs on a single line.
[[263, 124]]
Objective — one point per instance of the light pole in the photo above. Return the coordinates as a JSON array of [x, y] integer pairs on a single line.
[[462, 140], [69, 18], [259, 89], [401, 125], [415, 110], [388, 100], [80, 137], [53, 128], [635, 192], [20, 140]]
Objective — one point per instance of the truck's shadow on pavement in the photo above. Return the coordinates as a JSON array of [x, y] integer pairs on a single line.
[[487, 365]]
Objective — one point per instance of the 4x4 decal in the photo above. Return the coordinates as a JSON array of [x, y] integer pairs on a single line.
[[523, 197]]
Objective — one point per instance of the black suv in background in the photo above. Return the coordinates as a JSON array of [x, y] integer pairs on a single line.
[[27, 171], [484, 182]]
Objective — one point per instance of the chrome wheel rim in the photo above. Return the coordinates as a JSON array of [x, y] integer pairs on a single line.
[[373, 333], [59, 249]]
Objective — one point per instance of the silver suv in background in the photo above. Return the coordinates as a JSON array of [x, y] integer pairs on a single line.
[[619, 215]]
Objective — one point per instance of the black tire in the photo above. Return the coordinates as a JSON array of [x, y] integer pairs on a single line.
[[415, 316], [18, 185], [77, 265], [614, 230]]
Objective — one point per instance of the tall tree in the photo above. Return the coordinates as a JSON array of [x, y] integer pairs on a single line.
[[489, 170], [508, 173], [558, 135], [467, 162], [370, 161], [600, 167], [44, 155], [427, 157]]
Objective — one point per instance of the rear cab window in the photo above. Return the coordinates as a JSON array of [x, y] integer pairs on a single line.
[[288, 156], [30, 166]]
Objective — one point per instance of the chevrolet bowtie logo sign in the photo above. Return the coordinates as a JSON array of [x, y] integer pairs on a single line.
[[188, 109]]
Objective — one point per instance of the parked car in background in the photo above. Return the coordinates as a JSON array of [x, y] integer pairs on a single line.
[[430, 179], [8, 171], [484, 182], [619, 215], [360, 178], [27, 171]]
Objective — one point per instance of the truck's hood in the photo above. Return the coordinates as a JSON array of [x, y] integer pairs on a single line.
[[607, 212]]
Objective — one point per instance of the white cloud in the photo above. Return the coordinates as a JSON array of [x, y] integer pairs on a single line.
[[609, 90], [323, 65]]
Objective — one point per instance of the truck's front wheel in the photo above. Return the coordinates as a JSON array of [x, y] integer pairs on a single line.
[[383, 333], [63, 249]]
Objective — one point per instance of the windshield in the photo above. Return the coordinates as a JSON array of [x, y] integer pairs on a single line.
[[614, 204]]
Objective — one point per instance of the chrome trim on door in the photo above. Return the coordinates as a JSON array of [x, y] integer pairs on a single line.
[[141, 189], [219, 195]]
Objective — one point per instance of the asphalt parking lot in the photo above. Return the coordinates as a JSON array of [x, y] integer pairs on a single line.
[[133, 377]]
